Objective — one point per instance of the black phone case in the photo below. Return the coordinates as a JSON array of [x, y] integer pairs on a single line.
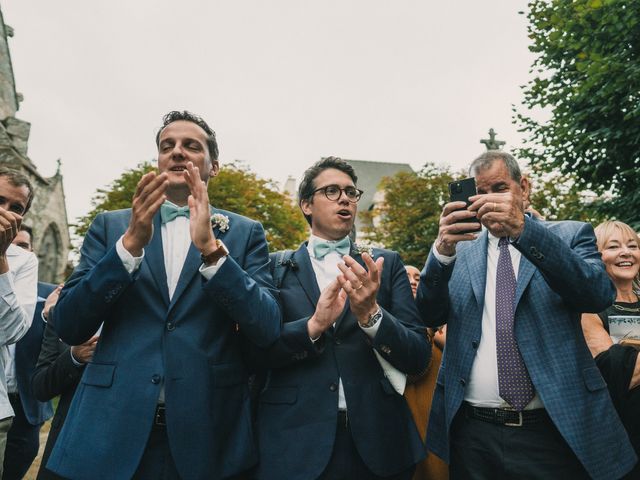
[[460, 191]]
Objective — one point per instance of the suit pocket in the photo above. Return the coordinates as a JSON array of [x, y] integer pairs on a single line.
[[99, 374], [280, 395], [228, 375], [593, 379]]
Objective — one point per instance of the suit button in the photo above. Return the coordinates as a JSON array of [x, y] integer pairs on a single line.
[[338, 341], [474, 344], [462, 382], [534, 251], [385, 349], [171, 326], [333, 387], [155, 379]]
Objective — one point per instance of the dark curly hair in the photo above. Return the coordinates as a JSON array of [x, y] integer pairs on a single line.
[[176, 115], [307, 185]]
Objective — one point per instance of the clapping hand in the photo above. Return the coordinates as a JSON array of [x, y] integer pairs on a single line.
[[361, 285]]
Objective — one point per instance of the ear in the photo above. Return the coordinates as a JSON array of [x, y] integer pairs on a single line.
[[214, 168], [306, 206], [525, 186]]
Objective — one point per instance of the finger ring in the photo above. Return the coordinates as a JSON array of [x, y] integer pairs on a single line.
[[494, 206], [361, 285]]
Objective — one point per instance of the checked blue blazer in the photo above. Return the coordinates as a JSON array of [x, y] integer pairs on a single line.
[[560, 276], [194, 343]]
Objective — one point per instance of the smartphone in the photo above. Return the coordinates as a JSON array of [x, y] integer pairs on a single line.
[[460, 191]]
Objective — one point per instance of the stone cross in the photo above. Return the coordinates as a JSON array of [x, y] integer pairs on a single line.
[[491, 143]]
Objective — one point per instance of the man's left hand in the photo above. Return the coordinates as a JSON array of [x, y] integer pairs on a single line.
[[361, 285], [199, 214], [501, 213]]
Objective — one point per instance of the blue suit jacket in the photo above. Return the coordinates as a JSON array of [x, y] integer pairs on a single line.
[[298, 408], [27, 351], [192, 342], [560, 275]]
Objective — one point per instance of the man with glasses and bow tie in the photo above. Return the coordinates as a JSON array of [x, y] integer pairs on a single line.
[[518, 394], [180, 289], [332, 406]]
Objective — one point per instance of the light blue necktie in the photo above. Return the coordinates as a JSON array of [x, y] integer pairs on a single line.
[[321, 249], [169, 211]]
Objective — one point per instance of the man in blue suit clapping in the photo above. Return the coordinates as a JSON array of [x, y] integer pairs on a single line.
[[518, 394], [179, 287]]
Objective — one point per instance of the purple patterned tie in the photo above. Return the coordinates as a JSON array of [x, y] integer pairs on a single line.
[[514, 384]]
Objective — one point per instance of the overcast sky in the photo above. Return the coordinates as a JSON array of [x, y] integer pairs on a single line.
[[283, 82]]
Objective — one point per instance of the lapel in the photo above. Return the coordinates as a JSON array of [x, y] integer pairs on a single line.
[[305, 274], [154, 258], [191, 265], [526, 269], [476, 261]]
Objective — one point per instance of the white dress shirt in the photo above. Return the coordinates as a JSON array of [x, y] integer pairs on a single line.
[[482, 388], [326, 271], [18, 296], [176, 240]]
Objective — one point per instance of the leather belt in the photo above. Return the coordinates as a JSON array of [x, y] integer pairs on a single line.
[[160, 418], [506, 417]]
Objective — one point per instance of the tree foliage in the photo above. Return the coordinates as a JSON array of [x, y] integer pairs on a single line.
[[408, 219], [235, 188], [587, 76]]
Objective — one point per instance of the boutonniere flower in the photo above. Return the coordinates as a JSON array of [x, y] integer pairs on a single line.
[[221, 221], [361, 248]]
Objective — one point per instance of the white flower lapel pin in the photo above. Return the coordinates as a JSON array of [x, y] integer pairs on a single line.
[[221, 221], [361, 248]]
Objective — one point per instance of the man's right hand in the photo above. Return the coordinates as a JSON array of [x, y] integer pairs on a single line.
[[84, 353], [149, 196], [9, 226], [329, 307], [450, 232]]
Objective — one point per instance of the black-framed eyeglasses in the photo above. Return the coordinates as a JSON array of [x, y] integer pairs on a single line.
[[333, 193]]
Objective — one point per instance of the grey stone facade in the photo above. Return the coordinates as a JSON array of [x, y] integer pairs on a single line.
[[48, 214]]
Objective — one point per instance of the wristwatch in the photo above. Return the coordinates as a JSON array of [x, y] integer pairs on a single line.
[[373, 319], [213, 257]]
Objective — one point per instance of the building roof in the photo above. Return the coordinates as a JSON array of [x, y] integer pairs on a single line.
[[370, 174]]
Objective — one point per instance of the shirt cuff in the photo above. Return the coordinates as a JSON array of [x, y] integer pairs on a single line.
[[75, 362], [209, 271], [130, 263], [443, 259], [373, 329]]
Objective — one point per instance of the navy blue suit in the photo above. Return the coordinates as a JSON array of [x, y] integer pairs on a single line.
[[23, 439], [298, 408], [193, 343], [560, 276]]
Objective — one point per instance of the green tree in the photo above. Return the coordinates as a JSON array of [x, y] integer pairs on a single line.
[[587, 77], [408, 219], [557, 197], [236, 188]]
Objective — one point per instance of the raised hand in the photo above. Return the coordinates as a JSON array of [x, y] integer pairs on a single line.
[[9, 226], [501, 213], [328, 309], [149, 195], [361, 285], [199, 213], [451, 230]]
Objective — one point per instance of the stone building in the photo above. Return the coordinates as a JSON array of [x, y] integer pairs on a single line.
[[48, 214]]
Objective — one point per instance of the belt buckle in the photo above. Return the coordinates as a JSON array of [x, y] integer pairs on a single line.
[[160, 418], [519, 424]]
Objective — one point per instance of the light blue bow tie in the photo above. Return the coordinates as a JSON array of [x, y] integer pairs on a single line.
[[321, 249], [169, 211]]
